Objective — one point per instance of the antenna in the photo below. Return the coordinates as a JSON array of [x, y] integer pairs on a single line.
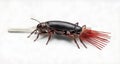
[[35, 20]]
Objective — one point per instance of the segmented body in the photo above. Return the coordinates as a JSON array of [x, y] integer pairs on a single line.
[[62, 26], [96, 38], [59, 28]]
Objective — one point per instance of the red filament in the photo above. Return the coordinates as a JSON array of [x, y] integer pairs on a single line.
[[97, 38]]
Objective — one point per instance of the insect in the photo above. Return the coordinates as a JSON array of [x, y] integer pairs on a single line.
[[86, 35]]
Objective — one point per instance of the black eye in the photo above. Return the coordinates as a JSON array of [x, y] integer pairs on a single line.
[[38, 26]]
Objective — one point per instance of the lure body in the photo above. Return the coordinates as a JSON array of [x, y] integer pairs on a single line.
[[64, 26], [73, 31]]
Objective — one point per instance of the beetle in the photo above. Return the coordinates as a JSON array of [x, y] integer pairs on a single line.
[[96, 38]]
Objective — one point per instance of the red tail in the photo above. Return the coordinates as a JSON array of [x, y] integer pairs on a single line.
[[96, 38]]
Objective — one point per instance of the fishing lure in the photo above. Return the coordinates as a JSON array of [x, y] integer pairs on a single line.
[[85, 35]]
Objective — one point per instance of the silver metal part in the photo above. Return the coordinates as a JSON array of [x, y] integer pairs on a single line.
[[21, 30]]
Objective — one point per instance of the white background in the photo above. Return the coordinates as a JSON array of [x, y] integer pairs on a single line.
[[16, 48]]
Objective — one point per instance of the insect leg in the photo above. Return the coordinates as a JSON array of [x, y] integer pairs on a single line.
[[76, 42], [83, 43], [32, 33], [37, 36], [73, 36], [50, 34], [83, 28]]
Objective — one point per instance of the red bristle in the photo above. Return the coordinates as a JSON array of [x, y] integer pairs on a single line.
[[101, 42], [96, 38], [91, 41], [98, 42]]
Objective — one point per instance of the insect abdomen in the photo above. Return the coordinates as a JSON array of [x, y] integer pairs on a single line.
[[63, 26]]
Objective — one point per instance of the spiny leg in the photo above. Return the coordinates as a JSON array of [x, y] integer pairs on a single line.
[[50, 34], [72, 36], [31, 33], [37, 37], [39, 34], [76, 43], [83, 43], [83, 28]]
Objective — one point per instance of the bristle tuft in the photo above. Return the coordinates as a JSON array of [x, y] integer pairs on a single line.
[[97, 38]]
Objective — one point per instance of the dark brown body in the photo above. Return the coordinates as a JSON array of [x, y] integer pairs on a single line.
[[59, 28], [63, 26]]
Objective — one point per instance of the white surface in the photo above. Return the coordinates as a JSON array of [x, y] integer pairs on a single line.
[[15, 48]]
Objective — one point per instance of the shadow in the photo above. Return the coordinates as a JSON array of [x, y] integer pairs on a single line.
[[62, 37], [58, 37]]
